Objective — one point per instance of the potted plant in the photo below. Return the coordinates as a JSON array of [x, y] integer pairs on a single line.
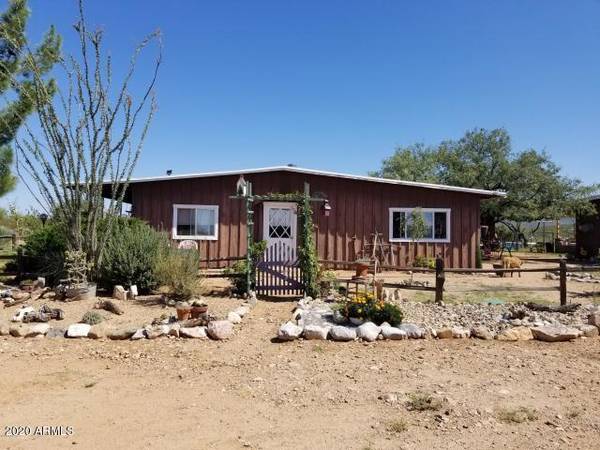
[[362, 267], [184, 310], [198, 309], [77, 286]]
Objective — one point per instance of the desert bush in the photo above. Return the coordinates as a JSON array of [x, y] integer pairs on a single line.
[[177, 270], [130, 255], [92, 318], [43, 253], [422, 401], [424, 261], [368, 307], [517, 415], [397, 426]]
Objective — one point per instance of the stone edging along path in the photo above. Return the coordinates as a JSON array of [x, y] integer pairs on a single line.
[[192, 328], [317, 320]]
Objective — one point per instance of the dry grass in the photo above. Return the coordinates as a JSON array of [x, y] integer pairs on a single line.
[[521, 414], [397, 426], [422, 401]]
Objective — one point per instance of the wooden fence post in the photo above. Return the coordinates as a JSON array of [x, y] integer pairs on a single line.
[[563, 282], [440, 278]]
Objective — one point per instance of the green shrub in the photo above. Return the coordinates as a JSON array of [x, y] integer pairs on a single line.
[[424, 261], [177, 270], [92, 318], [238, 272], [130, 255], [43, 253]]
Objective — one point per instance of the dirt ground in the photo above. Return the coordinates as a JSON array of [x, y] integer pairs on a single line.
[[251, 392]]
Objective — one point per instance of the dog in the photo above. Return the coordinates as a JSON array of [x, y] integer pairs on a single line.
[[512, 262]]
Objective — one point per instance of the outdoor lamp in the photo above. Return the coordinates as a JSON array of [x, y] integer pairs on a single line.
[[326, 208]]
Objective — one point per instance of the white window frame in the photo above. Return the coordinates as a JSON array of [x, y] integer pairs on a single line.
[[214, 208], [408, 211]]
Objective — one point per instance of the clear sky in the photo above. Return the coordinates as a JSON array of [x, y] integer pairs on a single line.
[[337, 85]]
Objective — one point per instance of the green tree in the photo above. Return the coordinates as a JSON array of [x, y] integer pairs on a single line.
[[535, 186], [15, 79]]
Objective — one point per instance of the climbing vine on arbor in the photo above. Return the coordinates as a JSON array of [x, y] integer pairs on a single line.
[[307, 252]]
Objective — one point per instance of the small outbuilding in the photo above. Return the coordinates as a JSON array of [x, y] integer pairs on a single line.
[[198, 207]]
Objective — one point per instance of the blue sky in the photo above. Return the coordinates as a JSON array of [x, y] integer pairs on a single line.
[[337, 85]]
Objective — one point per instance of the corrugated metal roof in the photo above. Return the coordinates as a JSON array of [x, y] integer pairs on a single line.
[[325, 173]]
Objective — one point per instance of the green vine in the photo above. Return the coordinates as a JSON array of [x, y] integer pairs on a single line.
[[307, 252]]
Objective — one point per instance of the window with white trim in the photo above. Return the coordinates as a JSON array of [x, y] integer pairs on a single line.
[[196, 222], [437, 224]]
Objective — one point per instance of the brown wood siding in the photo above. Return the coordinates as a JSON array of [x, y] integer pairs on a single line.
[[359, 208]]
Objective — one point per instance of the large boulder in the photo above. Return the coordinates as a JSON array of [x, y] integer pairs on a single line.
[[119, 293], [368, 331], [193, 333], [393, 333], [482, 332], [220, 329], [289, 332], [343, 334], [56, 333], [316, 332], [78, 330], [234, 317], [555, 334], [444, 333], [121, 334], [412, 331], [515, 334]]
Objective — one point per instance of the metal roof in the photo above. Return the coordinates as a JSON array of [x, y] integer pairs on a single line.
[[325, 173]]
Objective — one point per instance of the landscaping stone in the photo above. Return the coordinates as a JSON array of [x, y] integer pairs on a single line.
[[174, 329], [234, 317], [133, 291], [315, 332], [342, 334], [24, 310], [289, 332], [589, 330], [444, 333], [515, 334], [368, 331], [392, 333], [56, 333], [193, 333], [97, 332], [4, 329], [156, 331], [241, 311], [37, 329], [139, 334], [412, 330], [119, 292], [121, 334], [17, 330], [554, 334], [594, 319], [220, 329], [78, 330], [482, 333], [460, 333]]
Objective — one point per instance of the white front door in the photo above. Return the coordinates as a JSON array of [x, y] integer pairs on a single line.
[[279, 230]]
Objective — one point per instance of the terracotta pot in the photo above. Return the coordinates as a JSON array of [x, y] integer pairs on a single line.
[[362, 269], [184, 312], [197, 311]]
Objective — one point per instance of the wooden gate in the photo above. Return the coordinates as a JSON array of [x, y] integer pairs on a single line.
[[278, 272]]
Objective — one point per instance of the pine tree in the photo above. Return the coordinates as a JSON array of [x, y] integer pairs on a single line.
[[16, 82]]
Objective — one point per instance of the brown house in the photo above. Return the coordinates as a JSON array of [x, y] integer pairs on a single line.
[[198, 207], [587, 232]]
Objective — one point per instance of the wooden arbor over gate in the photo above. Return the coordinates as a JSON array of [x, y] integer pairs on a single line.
[[277, 271]]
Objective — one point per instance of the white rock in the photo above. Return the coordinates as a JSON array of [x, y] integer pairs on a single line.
[[220, 329], [289, 332], [460, 333], [18, 317], [119, 292], [341, 333], [174, 329], [368, 331], [393, 333], [412, 331], [37, 329], [156, 331], [234, 317], [133, 291], [241, 310], [193, 333], [554, 334], [78, 330], [315, 332], [139, 334], [589, 330]]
